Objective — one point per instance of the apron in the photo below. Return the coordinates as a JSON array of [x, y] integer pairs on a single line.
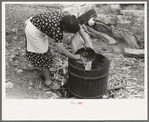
[[36, 40]]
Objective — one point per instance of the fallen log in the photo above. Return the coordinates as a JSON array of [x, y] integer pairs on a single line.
[[117, 34], [100, 35], [84, 18], [126, 36], [100, 27], [134, 52], [98, 22]]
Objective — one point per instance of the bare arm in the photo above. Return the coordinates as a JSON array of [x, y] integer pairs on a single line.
[[86, 38], [83, 35], [65, 52]]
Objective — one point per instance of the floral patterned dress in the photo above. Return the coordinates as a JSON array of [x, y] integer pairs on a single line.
[[37, 29]]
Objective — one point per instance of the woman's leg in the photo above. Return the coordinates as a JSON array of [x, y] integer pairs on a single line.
[[45, 73]]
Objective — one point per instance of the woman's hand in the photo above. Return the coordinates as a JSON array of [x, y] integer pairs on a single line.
[[77, 56], [65, 52]]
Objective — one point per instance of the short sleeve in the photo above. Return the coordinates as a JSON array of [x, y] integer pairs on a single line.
[[49, 23]]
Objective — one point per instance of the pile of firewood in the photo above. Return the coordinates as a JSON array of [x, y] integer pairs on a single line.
[[111, 34]]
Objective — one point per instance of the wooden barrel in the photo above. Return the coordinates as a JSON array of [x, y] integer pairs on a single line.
[[89, 83]]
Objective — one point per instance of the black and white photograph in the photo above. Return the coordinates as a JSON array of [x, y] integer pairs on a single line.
[[75, 51]]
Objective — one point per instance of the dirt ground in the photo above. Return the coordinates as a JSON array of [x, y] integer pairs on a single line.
[[26, 79]]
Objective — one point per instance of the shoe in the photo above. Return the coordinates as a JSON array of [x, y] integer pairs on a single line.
[[54, 86]]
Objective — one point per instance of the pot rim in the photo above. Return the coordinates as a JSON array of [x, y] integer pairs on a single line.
[[91, 69]]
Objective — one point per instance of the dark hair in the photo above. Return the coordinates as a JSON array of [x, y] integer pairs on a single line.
[[70, 23]]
